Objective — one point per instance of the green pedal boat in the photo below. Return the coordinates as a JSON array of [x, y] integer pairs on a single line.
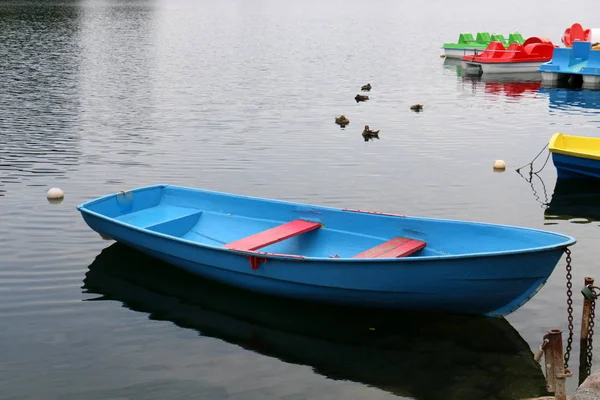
[[466, 45]]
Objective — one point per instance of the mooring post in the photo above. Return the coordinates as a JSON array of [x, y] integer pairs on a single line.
[[555, 367], [587, 306], [585, 328]]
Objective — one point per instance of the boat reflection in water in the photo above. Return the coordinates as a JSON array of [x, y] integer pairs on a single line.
[[509, 85], [453, 64], [561, 98], [575, 200], [421, 356]]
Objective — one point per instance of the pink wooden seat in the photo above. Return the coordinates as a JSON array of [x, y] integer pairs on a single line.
[[394, 248], [273, 235]]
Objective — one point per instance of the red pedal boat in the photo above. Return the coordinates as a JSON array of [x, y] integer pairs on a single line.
[[517, 58]]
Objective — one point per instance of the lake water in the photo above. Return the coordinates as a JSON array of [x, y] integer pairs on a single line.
[[240, 96]]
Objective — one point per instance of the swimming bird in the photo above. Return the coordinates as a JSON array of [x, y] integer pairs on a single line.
[[416, 107], [361, 97], [366, 87], [342, 120], [369, 134]]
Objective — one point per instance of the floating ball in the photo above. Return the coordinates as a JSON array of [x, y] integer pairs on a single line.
[[55, 194], [499, 164]]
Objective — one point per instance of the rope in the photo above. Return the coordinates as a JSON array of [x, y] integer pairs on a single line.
[[532, 161], [545, 203], [540, 170]]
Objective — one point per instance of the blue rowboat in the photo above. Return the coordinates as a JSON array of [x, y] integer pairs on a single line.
[[330, 255], [575, 157]]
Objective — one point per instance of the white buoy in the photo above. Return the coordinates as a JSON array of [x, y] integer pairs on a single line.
[[499, 164], [55, 194]]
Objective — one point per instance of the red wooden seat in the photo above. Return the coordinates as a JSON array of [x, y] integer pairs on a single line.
[[394, 248], [273, 235]]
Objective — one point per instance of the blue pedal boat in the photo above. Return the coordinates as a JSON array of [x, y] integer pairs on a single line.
[[339, 256]]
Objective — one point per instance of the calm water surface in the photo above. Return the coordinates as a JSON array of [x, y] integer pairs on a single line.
[[240, 96]]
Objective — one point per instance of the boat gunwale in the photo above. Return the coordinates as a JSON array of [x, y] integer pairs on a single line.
[[478, 63], [568, 240], [554, 148], [467, 47]]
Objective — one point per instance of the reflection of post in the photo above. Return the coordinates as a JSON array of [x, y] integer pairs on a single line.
[[555, 367], [583, 338]]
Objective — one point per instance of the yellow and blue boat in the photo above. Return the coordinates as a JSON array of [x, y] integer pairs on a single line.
[[575, 157]]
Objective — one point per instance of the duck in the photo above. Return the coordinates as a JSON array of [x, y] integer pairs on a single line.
[[369, 134], [361, 97], [342, 120], [366, 87], [416, 107]]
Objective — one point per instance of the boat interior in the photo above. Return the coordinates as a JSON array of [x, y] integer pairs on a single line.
[[575, 144], [252, 224]]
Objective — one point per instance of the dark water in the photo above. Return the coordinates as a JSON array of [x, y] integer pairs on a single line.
[[240, 96]]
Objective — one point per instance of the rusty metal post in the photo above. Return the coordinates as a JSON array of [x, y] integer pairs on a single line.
[[585, 328], [555, 367], [585, 316]]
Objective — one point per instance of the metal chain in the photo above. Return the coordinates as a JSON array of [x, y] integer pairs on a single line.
[[590, 336], [569, 308]]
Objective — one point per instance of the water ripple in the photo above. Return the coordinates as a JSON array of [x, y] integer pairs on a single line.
[[98, 97]]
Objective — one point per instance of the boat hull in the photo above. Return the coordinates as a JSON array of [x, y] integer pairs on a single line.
[[591, 80], [500, 68], [552, 77], [457, 54], [575, 157], [571, 167], [486, 284]]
